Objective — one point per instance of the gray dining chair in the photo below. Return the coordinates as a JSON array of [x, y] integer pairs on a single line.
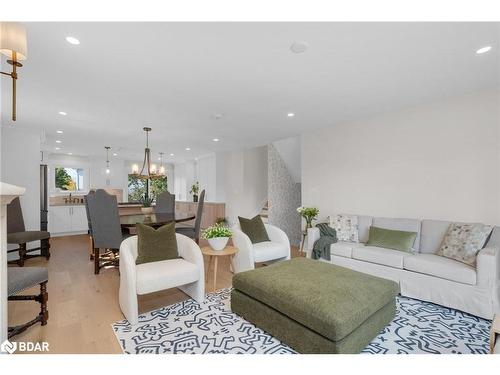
[[165, 203], [194, 231], [21, 279], [18, 235], [104, 228]]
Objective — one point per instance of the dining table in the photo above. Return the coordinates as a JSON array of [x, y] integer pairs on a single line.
[[154, 219]]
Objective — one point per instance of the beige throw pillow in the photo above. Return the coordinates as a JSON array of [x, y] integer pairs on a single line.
[[346, 227], [463, 241]]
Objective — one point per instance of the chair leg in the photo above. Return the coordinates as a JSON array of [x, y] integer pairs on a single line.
[[42, 317], [96, 261], [45, 245], [22, 255], [44, 297], [91, 251]]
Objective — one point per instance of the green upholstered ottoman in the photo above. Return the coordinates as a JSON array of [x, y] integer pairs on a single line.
[[314, 306]]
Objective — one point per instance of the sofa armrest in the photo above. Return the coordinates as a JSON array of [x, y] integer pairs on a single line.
[[243, 260], [487, 267], [190, 251], [312, 237], [277, 235], [128, 279]]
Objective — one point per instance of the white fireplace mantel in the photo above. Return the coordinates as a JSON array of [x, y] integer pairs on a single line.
[[7, 194]]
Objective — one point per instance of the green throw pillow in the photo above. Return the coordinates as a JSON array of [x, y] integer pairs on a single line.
[[254, 228], [391, 239], [154, 245]]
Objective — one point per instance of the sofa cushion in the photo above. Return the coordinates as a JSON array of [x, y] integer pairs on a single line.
[[254, 228], [346, 227], [264, 251], [380, 255], [407, 225], [165, 274], [441, 267], [392, 239], [494, 239], [344, 249], [364, 224], [463, 241], [432, 234], [155, 245]]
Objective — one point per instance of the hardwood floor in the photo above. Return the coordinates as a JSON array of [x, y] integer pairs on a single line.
[[82, 306]]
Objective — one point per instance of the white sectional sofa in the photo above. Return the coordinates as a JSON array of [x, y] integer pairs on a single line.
[[424, 275]]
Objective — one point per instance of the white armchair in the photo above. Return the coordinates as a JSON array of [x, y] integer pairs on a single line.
[[186, 273], [269, 251]]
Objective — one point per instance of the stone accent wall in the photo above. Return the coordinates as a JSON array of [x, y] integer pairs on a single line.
[[284, 197]]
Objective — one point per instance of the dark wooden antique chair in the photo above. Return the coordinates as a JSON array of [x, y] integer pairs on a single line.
[[194, 231], [104, 229], [19, 279], [18, 235], [165, 203]]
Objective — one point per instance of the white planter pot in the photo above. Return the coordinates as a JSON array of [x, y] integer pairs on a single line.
[[147, 210], [218, 243]]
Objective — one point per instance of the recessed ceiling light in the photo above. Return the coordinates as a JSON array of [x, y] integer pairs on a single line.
[[483, 50], [72, 40], [171, 154], [159, 158], [215, 139], [299, 47], [291, 114], [58, 141], [70, 153], [57, 148], [59, 131], [188, 149], [62, 113], [115, 154]]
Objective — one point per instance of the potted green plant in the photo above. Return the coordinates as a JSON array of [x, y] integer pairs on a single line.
[[146, 202], [217, 236], [195, 189], [309, 214]]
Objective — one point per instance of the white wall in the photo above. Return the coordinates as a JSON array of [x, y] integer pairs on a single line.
[[244, 177], [289, 151], [439, 161], [206, 175], [184, 177], [20, 165]]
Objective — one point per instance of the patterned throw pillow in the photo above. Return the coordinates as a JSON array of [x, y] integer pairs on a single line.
[[462, 242], [346, 227]]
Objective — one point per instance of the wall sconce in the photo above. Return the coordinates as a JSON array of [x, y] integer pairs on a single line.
[[13, 45]]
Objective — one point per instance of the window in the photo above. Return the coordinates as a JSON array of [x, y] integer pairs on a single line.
[[137, 187], [69, 179]]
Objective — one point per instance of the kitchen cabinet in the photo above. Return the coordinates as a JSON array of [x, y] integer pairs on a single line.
[[67, 220]]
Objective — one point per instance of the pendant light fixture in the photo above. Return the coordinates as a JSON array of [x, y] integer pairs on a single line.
[[148, 171], [108, 171], [13, 45]]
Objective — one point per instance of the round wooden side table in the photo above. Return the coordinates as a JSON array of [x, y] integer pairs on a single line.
[[214, 254]]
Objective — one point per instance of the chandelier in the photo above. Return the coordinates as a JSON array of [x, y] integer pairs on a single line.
[[148, 171]]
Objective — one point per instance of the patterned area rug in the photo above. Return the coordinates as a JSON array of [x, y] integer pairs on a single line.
[[211, 327]]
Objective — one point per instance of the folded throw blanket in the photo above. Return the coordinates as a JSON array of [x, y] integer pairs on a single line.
[[327, 236]]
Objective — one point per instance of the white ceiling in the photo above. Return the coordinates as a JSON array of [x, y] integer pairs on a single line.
[[175, 77]]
